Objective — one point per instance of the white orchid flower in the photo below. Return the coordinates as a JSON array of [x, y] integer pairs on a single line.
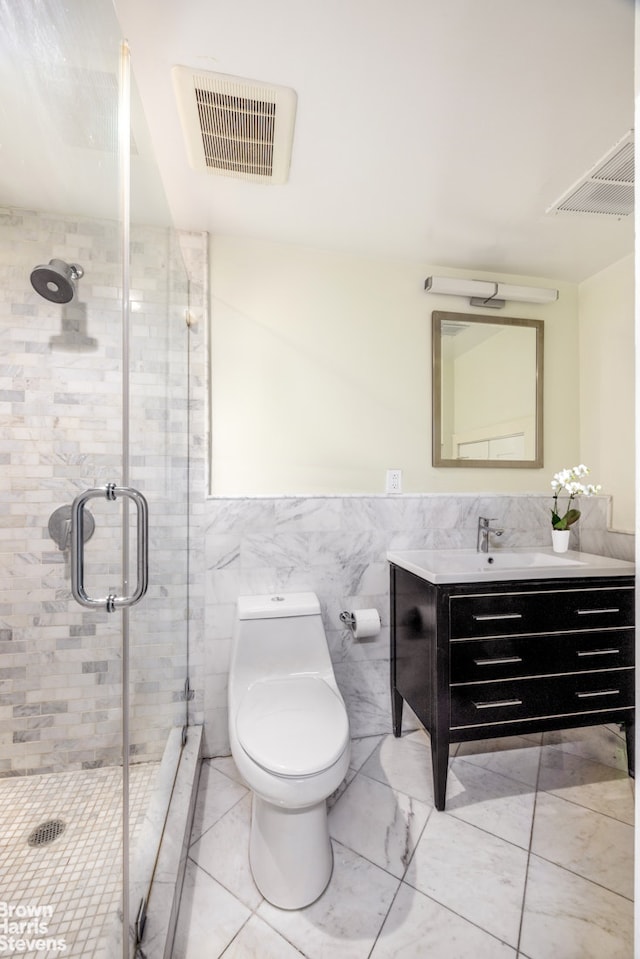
[[569, 481]]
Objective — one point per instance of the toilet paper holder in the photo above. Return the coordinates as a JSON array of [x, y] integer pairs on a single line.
[[363, 623]]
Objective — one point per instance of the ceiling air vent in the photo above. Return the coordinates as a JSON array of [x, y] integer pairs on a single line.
[[235, 127], [605, 189]]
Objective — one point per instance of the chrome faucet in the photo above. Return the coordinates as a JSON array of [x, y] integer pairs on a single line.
[[484, 529]]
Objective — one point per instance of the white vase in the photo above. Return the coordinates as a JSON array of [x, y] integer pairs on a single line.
[[560, 540]]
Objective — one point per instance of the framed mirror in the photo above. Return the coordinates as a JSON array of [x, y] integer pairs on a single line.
[[487, 391]]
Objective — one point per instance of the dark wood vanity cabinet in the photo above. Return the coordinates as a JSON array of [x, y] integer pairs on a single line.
[[482, 660]]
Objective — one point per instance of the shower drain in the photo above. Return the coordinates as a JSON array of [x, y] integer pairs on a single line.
[[46, 832]]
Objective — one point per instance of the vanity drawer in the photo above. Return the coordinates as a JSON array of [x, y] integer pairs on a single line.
[[521, 699], [479, 660], [510, 613]]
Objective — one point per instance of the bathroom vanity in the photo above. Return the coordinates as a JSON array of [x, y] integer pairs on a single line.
[[513, 643]]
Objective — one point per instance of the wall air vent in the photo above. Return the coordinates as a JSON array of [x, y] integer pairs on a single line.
[[235, 127], [607, 188]]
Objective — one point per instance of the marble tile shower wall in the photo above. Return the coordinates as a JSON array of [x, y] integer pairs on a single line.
[[60, 397], [336, 546]]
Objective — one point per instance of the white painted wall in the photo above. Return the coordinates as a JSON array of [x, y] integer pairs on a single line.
[[321, 374], [607, 382]]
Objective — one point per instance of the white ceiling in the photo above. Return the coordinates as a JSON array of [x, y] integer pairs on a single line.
[[436, 130]]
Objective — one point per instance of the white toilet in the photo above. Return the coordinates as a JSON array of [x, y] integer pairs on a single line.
[[289, 735]]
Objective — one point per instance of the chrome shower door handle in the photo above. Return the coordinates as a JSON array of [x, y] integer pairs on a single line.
[[110, 602]]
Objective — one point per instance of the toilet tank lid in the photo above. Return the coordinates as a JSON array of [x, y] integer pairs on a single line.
[[278, 605]]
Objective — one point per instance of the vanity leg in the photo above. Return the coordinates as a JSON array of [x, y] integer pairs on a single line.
[[440, 763], [630, 734], [397, 703]]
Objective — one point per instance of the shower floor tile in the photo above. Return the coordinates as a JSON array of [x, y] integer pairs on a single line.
[[69, 888]]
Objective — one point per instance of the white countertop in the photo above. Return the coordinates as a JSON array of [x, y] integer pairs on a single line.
[[468, 566]]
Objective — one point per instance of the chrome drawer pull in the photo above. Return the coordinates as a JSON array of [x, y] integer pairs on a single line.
[[598, 652], [498, 662], [499, 702], [483, 617], [600, 692], [595, 612]]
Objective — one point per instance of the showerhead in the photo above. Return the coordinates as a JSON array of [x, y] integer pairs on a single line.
[[55, 282]]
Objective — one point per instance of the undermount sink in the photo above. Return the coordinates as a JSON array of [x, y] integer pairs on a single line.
[[469, 566]]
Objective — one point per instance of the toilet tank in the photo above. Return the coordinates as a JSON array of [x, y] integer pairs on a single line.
[[279, 634], [278, 605]]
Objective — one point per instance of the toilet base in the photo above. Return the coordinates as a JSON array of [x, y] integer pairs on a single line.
[[290, 853]]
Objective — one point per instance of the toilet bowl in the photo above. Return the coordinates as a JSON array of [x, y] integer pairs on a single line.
[[289, 735]]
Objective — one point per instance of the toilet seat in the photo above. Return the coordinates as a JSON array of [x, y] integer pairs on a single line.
[[294, 726]]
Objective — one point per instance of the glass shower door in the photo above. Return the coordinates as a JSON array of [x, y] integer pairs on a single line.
[[160, 466], [92, 399]]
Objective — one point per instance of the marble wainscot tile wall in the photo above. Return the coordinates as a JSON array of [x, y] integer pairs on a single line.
[[60, 398], [595, 534], [336, 547]]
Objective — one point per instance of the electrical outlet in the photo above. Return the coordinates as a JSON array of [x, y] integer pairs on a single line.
[[394, 481]]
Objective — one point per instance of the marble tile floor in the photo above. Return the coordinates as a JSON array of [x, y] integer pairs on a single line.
[[532, 859]]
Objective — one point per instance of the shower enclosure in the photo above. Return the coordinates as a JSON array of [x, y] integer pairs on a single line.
[[94, 698]]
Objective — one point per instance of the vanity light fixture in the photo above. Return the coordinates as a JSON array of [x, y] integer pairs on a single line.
[[488, 292]]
